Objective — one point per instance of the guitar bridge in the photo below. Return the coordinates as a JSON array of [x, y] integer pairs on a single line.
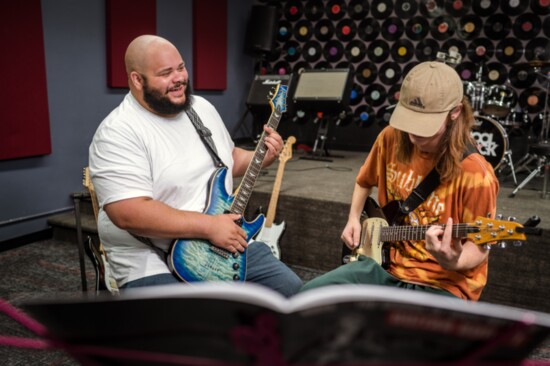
[[221, 252]]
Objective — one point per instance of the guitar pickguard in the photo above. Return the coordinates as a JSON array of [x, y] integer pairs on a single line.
[[199, 260], [371, 245]]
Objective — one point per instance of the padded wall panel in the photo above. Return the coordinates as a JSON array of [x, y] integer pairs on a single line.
[[126, 19], [25, 124], [210, 44]]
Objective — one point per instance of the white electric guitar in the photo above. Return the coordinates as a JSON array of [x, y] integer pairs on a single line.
[[271, 233]]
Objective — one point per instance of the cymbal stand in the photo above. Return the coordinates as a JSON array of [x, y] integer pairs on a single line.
[[540, 150], [508, 160]]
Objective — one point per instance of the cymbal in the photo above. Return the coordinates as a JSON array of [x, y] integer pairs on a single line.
[[534, 63]]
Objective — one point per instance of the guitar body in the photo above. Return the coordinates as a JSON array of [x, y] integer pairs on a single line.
[[195, 260], [374, 219], [271, 236]]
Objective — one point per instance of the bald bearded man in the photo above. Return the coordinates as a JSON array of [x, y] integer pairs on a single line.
[[151, 173]]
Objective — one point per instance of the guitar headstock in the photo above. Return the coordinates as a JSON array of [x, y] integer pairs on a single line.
[[278, 101], [488, 231], [286, 154]]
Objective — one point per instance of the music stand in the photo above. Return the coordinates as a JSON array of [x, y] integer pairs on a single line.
[[326, 93]]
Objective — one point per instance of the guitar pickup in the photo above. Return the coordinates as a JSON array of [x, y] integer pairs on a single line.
[[221, 252]]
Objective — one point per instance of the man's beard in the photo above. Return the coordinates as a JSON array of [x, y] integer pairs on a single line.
[[161, 104]]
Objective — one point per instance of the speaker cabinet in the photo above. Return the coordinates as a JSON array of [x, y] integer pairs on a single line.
[[261, 30], [259, 94]]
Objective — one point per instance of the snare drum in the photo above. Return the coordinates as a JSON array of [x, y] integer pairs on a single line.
[[500, 100], [491, 138]]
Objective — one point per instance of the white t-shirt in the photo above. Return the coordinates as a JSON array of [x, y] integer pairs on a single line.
[[135, 153]]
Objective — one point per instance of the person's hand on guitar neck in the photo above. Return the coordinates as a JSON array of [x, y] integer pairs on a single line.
[[451, 253]]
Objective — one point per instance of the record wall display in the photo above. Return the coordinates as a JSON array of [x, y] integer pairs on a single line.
[[499, 43]]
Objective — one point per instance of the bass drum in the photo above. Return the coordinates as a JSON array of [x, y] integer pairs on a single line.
[[492, 140]]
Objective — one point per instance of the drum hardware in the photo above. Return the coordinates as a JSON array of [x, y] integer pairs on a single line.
[[541, 149]]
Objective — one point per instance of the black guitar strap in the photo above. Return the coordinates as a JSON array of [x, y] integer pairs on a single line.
[[206, 137], [421, 192]]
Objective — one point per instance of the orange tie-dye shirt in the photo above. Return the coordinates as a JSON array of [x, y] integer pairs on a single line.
[[472, 194]]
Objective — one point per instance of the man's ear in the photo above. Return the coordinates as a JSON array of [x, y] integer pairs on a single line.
[[137, 80]]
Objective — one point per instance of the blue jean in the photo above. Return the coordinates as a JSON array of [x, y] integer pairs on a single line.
[[261, 268]]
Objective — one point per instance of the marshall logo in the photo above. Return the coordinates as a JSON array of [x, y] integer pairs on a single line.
[[271, 82], [416, 102]]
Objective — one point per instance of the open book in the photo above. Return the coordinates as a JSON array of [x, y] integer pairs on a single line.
[[229, 323]]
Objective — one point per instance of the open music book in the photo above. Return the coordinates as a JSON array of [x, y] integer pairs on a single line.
[[223, 323]]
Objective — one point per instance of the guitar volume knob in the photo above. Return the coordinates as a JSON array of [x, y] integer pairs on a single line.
[[236, 277], [236, 266]]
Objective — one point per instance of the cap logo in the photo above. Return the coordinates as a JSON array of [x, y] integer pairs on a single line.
[[417, 102]]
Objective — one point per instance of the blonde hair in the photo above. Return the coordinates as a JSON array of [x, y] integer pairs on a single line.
[[453, 144]]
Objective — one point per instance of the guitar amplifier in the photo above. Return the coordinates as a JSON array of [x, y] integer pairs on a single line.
[[259, 94]]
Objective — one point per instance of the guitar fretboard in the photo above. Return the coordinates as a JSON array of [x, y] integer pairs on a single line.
[[397, 233], [253, 170]]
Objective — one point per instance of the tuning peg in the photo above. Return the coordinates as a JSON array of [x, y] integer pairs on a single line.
[[499, 217], [487, 246], [502, 244], [512, 218], [517, 243]]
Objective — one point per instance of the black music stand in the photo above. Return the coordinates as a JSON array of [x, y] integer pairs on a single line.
[[325, 93]]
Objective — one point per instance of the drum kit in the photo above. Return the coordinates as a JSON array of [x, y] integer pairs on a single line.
[[497, 118]]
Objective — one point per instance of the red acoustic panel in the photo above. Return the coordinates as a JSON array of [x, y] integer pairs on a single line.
[[210, 44], [126, 19], [25, 123]]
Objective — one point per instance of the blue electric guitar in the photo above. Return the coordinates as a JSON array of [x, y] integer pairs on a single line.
[[194, 260]]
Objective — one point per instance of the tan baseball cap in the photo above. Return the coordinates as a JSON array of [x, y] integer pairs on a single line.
[[428, 93]]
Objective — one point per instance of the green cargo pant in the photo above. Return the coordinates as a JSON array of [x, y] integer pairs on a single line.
[[366, 271]]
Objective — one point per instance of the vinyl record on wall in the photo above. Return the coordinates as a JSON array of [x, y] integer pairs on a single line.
[[393, 94], [275, 54], [457, 8], [402, 50], [467, 70], [366, 73], [358, 9], [509, 50], [303, 30], [480, 49], [538, 49], [521, 77], [369, 29], [389, 73], [378, 50], [375, 95], [432, 8], [392, 28], [292, 50], [364, 116], [346, 30], [513, 7], [383, 116], [282, 68], [497, 26], [469, 27], [312, 51], [284, 31], [527, 26], [345, 65], [443, 27], [408, 67], [485, 7], [454, 46], [417, 28], [532, 100], [381, 9], [540, 7], [335, 9], [293, 10], [356, 94], [495, 73], [324, 30], [300, 66], [333, 51], [355, 51], [314, 10], [322, 65], [426, 50], [406, 9]]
